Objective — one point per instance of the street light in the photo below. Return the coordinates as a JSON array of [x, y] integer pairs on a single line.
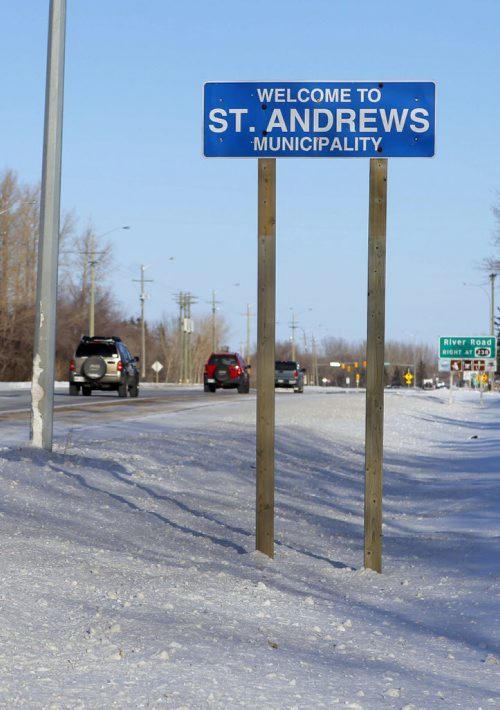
[[491, 299], [93, 262]]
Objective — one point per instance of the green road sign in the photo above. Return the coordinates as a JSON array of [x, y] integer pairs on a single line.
[[467, 348]]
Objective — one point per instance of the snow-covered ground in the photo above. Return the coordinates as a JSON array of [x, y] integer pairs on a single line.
[[129, 577]]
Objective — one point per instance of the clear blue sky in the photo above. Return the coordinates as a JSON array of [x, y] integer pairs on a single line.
[[132, 154]]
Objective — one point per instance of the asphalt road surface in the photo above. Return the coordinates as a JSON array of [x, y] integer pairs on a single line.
[[15, 405]]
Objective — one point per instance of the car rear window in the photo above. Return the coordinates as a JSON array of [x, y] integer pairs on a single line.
[[281, 365], [222, 360], [102, 349]]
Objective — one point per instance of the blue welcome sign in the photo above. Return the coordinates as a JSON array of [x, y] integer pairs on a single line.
[[319, 119]]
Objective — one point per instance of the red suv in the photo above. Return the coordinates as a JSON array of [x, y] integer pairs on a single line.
[[226, 370]]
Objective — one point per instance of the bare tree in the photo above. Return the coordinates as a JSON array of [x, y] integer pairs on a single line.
[[18, 255]]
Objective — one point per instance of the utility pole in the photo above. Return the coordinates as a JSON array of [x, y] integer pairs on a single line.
[[180, 301], [143, 322], [190, 299], [249, 315], [293, 326], [92, 262], [185, 300], [314, 362], [187, 331], [214, 322]]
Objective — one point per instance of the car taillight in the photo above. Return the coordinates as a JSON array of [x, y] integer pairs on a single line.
[[296, 373], [72, 367], [119, 366]]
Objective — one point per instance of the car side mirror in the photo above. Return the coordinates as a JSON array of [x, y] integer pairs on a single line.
[[248, 367], [136, 358], [303, 369]]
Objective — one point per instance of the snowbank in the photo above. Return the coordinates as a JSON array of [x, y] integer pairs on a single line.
[[130, 580]]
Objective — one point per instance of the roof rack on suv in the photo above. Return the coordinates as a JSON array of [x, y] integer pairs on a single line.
[[101, 338]]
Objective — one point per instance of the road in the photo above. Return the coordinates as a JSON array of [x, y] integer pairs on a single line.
[[101, 407]]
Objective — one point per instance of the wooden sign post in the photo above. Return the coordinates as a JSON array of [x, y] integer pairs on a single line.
[[270, 120], [374, 433], [266, 317]]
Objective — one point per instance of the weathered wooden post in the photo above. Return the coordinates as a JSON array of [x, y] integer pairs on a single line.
[[265, 355], [374, 434]]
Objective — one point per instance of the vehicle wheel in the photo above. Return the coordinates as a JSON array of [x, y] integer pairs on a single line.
[[244, 388], [122, 389], [94, 367], [134, 390], [211, 388], [86, 391], [73, 390]]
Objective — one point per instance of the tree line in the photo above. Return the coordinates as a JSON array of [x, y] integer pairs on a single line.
[[19, 227], [181, 353]]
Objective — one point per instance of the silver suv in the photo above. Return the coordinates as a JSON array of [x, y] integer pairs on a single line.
[[103, 363]]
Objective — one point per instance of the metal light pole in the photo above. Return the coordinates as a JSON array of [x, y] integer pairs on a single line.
[[92, 263], [42, 385], [490, 295], [492, 303]]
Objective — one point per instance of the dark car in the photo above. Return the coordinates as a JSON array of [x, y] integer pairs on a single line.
[[289, 374], [103, 363], [226, 371]]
